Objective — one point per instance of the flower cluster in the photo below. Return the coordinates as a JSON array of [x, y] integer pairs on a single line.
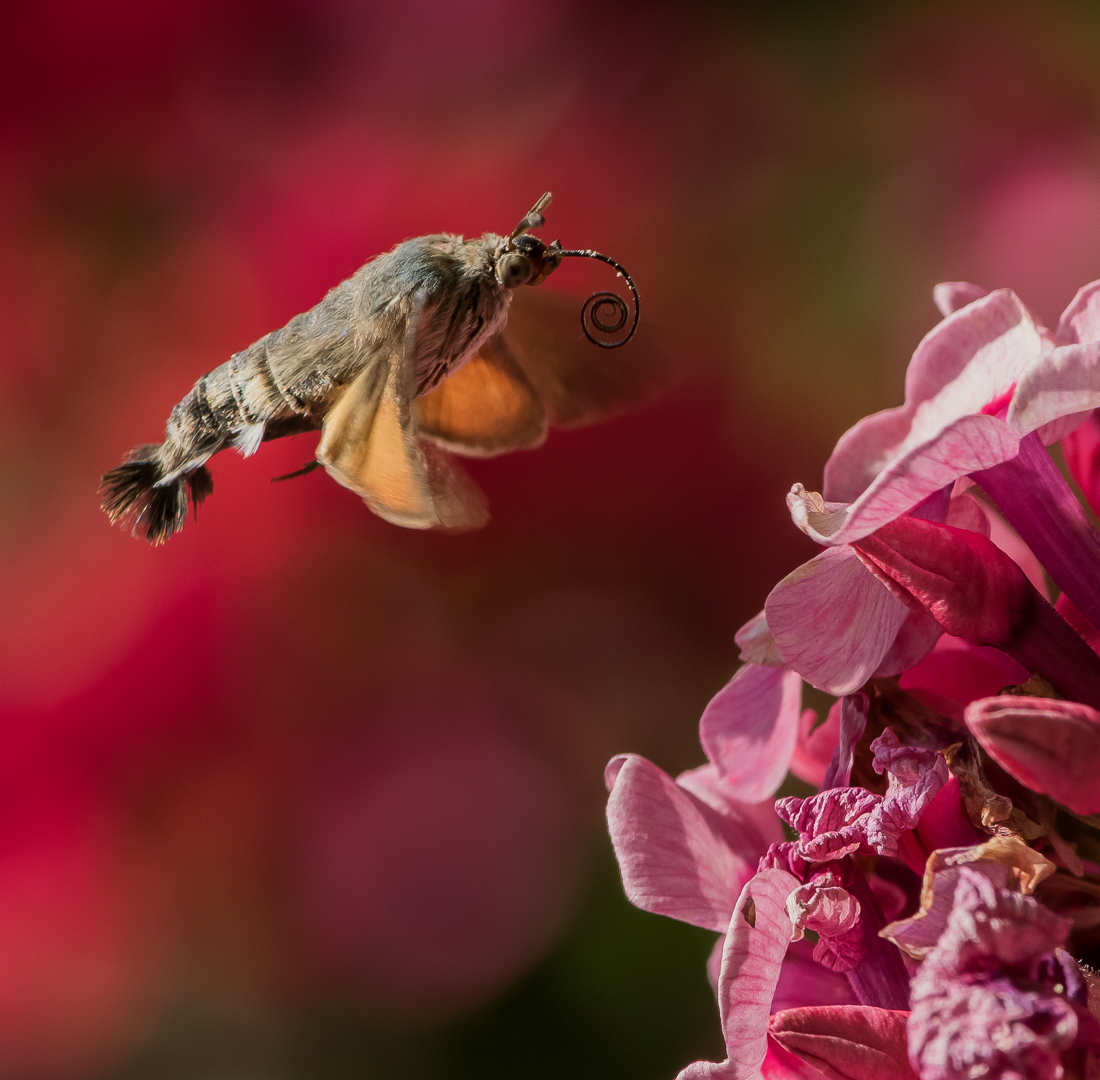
[[929, 911]]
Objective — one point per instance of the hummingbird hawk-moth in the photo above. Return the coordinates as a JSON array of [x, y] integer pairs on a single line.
[[429, 350]]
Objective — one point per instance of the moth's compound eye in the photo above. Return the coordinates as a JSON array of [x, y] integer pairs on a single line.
[[514, 270]]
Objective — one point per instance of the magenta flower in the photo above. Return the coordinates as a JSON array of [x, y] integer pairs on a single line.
[[963, 745], [998, 996]]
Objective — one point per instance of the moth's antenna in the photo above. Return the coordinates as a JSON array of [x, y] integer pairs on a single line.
[[599, 300], [533, 219]]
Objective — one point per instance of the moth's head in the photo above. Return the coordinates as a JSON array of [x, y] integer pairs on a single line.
[[524, 259]]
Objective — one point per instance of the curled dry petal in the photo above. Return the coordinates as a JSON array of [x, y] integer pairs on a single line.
[[673, 860], [832, 913], [846, 1042], [915, 777], [1006, 860], [831, 824], [749, 728], [833, 622], [752, 957], [1050, 746]]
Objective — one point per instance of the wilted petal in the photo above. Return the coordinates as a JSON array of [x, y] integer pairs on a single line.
[[752, 957], [833, 621], [749, 728], [853, 722], [814, 748], [915, 639], [916, 776], [831, 912], [672, 860], [950, 296], [1050, 746], [993, 998], [970, 443], [1006, 860], [846, 1042], [831, 824]]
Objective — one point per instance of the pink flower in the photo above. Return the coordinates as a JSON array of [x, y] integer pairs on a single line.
[[998, 996]]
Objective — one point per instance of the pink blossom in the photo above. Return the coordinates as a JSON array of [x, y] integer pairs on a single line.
[[997, 996]]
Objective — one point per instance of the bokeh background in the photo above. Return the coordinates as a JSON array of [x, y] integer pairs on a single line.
[[304, 796]]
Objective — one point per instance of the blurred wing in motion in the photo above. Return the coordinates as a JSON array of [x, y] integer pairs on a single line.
[[369, 444], [487, 407], [576, 382]]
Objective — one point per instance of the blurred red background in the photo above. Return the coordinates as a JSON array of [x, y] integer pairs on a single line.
[[302, 794]]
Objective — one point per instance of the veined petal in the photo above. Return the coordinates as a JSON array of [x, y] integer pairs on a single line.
[[749, 828], [1050, 746], [972, 357], [846, 1042], [1062, 383], [749, 728], [672, 861], [833, 621], [752, 957], [966, 444]]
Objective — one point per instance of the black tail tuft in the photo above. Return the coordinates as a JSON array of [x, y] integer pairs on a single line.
[[132, 493]]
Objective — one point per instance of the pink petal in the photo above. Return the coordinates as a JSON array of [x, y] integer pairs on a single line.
[[814, 748], [971, 358], [861, 452], [975, 591], [672, 861], [752, 957], [833, 621], [749, 728], [756, 643], [1050, 746], [803, 981], [955, 673], [959, 446], [1062, 383], [832, 913], [749, 828], [949, 296], [1080, 322], [847, 1042], [915, 639], [916, 776]]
